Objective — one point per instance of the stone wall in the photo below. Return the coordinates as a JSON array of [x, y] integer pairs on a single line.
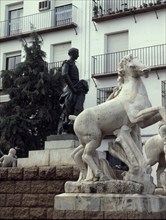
[[121, 214], [28, 193]]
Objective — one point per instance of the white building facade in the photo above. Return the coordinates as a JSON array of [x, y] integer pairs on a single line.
[[103, 31]]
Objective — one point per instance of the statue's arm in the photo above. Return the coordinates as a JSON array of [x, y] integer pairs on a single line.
[[1, 159], [65, 75]]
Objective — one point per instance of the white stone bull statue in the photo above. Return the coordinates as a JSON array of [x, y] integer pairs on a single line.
[[155, 151], [122, 115]]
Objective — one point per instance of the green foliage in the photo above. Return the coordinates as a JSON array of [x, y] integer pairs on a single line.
[[33, 110]]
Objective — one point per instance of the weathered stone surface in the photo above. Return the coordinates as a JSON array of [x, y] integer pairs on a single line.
[[111, 186], [75, 215], [160, 191], [3, 173], [47, 172], [2, 200], [6, 213], [65, 201], [94, 215], [55, 186], [23, 186], [61, 156], [59, 214], [31, 173], [115, 215], [30, 200], [46, 200], [110, 202], [21, 213], [61, 144], [50, 213], [15, 173], [13, 200], [38, 213], [36, 158], [64, 172], [56, 152], [39, 186], [7, 187]]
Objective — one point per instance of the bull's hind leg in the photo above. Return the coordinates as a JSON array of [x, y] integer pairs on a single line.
[[77, 157], [91, 158]]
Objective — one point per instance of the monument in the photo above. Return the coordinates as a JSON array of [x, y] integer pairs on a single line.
[[74, 91], [9, 160], [123, 114], [155, 150]]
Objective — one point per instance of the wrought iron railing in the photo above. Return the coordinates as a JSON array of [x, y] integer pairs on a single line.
[[39, 21], [103, 93], [104, 7], [152, 56], [55, 66]]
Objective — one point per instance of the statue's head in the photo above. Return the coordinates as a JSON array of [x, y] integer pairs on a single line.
[[12, 151], [74, 53]]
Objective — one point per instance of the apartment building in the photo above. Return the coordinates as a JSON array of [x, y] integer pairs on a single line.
[[103, 31]]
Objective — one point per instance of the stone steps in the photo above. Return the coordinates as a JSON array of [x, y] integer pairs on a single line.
[[56, 152]]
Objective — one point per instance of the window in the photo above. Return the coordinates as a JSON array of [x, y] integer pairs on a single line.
[[116, 43], [63, 15], [44, 5], [163, 92], [12, 61], [60, 53], [15, 21], [103, 93]]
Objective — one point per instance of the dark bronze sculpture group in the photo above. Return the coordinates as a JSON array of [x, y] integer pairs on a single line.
[[73, 97]]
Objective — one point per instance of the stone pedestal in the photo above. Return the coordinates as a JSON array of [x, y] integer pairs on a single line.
[[105, 198], [110, 202], [57, 151]]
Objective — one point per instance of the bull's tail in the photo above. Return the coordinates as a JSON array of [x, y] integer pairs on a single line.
[[72, 117]]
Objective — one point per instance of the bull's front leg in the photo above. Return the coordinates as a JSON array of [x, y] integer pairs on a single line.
[[146, 117]]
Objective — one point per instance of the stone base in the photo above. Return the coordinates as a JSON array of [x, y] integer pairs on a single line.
[[110, 202], [111, 186], [160, 191], [57, 152]]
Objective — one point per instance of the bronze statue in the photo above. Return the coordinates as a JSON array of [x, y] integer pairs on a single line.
[[73, 97]]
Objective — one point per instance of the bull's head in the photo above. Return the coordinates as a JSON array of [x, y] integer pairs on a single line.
[[132, 66]]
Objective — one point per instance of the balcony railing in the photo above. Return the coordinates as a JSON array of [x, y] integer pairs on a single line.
[[55, 66], [43, 21], [106, 64], [109, 9]]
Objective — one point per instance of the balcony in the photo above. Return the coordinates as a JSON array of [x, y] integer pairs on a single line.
[[105, 10], [55, 66], [106, 64], [43, 22]]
